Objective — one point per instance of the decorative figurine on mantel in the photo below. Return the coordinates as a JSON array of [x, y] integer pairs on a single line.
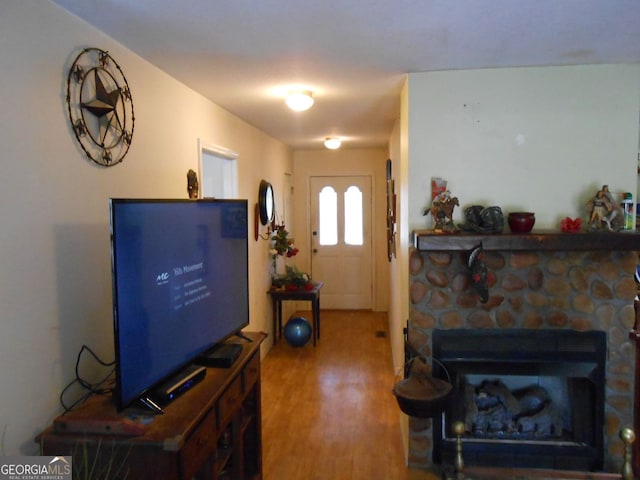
[[442, 212], [605, 212]]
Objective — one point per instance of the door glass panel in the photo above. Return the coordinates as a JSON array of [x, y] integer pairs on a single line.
[[328, 216], [353, 216]]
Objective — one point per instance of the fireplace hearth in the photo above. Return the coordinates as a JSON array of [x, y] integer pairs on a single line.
[[527, 398]]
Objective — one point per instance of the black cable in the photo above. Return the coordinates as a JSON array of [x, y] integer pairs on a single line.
[[92, 387], [97, 388]]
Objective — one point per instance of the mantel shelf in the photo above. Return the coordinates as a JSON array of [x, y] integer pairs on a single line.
[[428, 240]]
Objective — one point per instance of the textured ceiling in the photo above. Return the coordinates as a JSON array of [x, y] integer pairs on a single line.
[[242, 54]]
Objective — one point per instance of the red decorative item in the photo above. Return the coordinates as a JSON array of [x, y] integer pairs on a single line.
[[521, 222], [569, 225]]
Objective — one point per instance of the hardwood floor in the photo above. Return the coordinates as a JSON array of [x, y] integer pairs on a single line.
[[328, 412]]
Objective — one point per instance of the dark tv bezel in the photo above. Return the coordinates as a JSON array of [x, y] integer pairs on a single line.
[[121, 403]]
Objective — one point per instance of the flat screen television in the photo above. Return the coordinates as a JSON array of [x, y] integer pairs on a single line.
[[180, 285]]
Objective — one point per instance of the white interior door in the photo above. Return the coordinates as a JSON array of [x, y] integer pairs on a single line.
[[341, 240]]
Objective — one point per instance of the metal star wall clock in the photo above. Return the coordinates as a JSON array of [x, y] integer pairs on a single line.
[[100, 107]]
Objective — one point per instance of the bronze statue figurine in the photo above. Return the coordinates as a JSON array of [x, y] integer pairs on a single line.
[[442, 212]]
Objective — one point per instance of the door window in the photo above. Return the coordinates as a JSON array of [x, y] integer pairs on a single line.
[[353, 216], [328, 213]]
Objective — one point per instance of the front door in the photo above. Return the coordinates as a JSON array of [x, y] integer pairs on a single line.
[[341, 240]]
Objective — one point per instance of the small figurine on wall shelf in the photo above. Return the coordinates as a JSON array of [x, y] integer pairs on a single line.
[[442, 212], [605, 212]]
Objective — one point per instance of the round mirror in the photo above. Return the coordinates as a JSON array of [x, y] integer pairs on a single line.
[[266, 204]]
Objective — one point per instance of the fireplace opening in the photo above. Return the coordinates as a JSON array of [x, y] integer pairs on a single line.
[[527, 398]]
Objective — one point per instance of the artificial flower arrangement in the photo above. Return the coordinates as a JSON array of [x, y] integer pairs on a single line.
[[292, 279], [283, 246]]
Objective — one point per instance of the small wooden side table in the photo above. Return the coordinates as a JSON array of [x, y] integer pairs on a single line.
[[312, 295]]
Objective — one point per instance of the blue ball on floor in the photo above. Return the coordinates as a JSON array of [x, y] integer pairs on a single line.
[[297, 331]]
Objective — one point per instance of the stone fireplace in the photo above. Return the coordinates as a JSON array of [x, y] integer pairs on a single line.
[[548, 289]]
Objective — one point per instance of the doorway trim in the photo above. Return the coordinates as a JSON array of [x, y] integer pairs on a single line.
[[229, 171]]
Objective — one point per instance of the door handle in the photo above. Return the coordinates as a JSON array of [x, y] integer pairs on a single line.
[[315, 250]]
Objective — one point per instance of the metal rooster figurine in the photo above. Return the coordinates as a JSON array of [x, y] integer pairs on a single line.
[[479, 273]]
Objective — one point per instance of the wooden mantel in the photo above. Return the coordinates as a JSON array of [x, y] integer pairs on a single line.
[[428, 240]]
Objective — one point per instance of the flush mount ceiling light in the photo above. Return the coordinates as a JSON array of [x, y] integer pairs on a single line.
[[332, 143], [299, 100]]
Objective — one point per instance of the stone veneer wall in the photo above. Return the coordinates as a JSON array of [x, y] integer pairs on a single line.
[[592, 290]]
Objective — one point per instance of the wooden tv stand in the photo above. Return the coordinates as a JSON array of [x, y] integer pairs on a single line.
[[212, 432]]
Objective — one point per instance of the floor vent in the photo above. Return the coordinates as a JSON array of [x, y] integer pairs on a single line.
[[381, 334]]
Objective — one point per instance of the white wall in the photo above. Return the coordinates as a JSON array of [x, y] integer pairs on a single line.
[[398, 273], [365, 161], [535, 139], [399, 266], [55, 281]]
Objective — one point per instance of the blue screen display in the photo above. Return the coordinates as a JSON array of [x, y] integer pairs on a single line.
[[180, 284]]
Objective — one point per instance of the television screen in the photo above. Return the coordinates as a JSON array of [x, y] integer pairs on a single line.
[[180, 285]]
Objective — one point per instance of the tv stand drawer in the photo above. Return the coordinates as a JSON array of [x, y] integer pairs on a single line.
[[229, 402], [200, 446], [251, 373]]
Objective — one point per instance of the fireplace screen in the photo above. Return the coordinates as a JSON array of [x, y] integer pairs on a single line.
[[528, 398]]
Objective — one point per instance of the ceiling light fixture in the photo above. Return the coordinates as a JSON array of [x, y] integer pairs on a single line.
[[332, 143], [299, 100]]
